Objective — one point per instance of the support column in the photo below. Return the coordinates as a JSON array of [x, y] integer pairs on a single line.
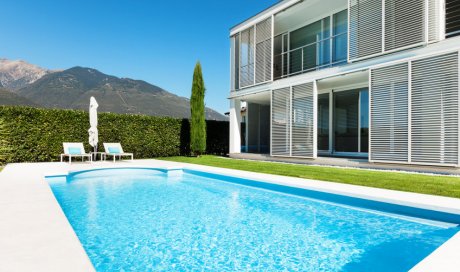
[[235, 126]]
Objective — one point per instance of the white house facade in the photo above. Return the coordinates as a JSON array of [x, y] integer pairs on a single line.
[[376, 79]]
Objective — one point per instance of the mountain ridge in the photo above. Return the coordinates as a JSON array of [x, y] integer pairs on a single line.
[[15, 74], [73, 87]]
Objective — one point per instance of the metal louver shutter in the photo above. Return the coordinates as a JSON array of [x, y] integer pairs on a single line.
[[365, 28], [404, 23], [435, 110], [280, 122], [263, 51], [389, 113], [302, 120], [247, 57], [434, 17]]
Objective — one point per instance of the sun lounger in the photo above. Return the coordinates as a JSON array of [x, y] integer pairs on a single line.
[[75, 150], [115, 150]]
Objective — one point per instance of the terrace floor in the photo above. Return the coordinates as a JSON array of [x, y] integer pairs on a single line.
[[350, 162]]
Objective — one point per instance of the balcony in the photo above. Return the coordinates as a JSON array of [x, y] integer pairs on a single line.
[[317, 45], [304, 37]]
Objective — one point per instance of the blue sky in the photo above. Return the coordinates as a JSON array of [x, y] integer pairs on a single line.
[[156, 41]]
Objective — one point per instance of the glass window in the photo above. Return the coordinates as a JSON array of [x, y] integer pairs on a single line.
[[364, 120], [318, 44], [285, 43], [323, 121], [295, 61], [340, 22], [346, 114], [324, 50], [305, 35], [237, 62], [278, 44], [339, 48], [278, 59], [340, 40], [326, 33], [309, 56]]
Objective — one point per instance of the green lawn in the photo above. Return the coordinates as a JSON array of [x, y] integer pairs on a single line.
[[418, 183]]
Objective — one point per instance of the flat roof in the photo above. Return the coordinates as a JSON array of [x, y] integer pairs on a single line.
[[263, 15]]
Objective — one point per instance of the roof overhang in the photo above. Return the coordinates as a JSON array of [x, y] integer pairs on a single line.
[[263, 15]]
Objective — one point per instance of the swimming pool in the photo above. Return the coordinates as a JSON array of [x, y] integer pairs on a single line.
[[149, 219]]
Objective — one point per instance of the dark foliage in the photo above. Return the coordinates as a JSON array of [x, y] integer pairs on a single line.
[[36, 135]]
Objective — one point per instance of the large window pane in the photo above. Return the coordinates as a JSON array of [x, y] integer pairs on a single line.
[[339, 43], [295, 61], [278, 59], [346, 108], [340, 22], [305, 35], [309, 57], [278, 44], [364, 120], [324, 52], [285, 43], [326, 31], [318, 44], [339, 48]]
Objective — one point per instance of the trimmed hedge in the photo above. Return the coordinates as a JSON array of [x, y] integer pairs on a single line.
[[36, 135]]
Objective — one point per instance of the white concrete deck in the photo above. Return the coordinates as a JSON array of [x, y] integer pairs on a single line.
[[36, 236]]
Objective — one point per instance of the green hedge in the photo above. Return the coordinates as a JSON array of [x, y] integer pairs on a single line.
[[36, 135]]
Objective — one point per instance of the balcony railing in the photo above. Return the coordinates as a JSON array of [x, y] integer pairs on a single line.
[[321, 54]]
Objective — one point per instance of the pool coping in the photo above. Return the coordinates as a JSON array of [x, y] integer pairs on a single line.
[[27, 200]]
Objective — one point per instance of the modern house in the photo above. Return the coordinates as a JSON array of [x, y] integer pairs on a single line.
[[357, 78]]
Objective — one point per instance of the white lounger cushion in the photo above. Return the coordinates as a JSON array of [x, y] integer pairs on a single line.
[[113, 146], [69, 149], [75, 150], [115, 149]]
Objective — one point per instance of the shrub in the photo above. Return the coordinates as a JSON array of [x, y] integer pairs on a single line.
[[5, 149], [36, 135]]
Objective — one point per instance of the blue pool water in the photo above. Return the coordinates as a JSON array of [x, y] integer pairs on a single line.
[[143, 220]]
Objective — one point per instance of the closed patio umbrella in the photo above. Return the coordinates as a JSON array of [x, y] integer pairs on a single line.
[[93, 133]]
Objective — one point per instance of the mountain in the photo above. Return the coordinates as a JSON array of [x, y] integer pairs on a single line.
[[16, 74], [11, 99], [72, 89]]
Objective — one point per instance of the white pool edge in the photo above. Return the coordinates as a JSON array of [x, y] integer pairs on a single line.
[[445, 258]]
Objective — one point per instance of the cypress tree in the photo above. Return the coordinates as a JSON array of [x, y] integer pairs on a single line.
[[197, 108]]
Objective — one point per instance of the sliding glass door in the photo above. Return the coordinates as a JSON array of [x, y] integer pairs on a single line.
[[347, 132], [346, 115]]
